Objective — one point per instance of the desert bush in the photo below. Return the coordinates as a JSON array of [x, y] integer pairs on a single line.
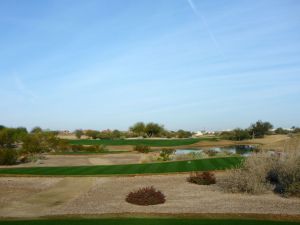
[[262, 172], [91, 148], [286, 174], [251, 177], [146, 196], [142, 148], [204, 178], [210, 152], [165, 153], [8, 156]]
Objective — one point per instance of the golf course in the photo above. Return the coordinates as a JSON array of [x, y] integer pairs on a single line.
[[147, 142], [210, 164]]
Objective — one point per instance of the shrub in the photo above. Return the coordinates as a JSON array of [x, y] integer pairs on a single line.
[[286, 175], [262, 171], [142, 148], [250, 178], [210, 152], [92, 148], [146, 196], [205, 178], [166, 153], [8, 156]]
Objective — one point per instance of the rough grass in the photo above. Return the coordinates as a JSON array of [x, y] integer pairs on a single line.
[[147, 142], [148, 168], [147, 221]]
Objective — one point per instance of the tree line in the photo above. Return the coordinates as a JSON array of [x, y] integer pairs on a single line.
[[256, 130], [139, 129]]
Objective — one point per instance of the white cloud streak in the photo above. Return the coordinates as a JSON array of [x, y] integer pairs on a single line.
[[200, 15]]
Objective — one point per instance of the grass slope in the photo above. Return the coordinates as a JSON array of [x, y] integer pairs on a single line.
[[164, 167], [147, 221], [148, 142]]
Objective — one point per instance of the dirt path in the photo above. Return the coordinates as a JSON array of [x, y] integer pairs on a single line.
[[105, 195]]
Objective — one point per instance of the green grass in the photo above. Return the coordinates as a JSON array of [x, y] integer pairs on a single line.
[[147, 221], [164, 167], [148, 142]]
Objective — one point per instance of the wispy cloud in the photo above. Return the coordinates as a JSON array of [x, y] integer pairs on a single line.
[[201, 16]]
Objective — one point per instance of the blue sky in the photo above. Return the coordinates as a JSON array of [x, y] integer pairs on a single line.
[[190, 64]]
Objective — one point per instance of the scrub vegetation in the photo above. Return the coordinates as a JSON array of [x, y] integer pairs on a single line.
[[261, 172], [146, 196]]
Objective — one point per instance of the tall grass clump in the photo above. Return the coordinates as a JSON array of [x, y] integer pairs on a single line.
[[260, 172], [142, 148]]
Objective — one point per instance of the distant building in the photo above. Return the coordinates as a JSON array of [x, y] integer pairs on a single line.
[[203, 132], [198, 133]]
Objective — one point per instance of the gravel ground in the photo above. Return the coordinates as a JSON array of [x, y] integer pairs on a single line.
[[32, 197]]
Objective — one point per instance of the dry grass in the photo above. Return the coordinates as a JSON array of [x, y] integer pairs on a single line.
[[278, 171]]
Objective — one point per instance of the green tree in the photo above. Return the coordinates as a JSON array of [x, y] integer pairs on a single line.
[[241, 134], [280, 130], [153, 129], [33, 143], [78, 133], [138, 128], [20, 133], [183, 134], [116, 134], [8, 156], [9, 136], [36, 130], [260, 129], [92, 134]]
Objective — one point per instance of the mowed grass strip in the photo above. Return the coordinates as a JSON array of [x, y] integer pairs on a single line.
[[148, 142], [127, 169], [147, 221]]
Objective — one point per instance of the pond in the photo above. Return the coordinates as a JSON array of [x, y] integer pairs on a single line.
[[244, 150]]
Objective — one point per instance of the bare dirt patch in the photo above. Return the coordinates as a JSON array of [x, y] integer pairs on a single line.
[[83, 160], [106, 195]]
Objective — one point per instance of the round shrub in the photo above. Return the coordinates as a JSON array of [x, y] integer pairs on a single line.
[[205, 178], [146, 196], [142, 148]]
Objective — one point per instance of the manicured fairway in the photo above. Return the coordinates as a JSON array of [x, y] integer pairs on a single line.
[[164, 167], [147, 221], [148, 142]]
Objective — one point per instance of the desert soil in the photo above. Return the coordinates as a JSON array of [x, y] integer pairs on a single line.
[[45, 196]]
